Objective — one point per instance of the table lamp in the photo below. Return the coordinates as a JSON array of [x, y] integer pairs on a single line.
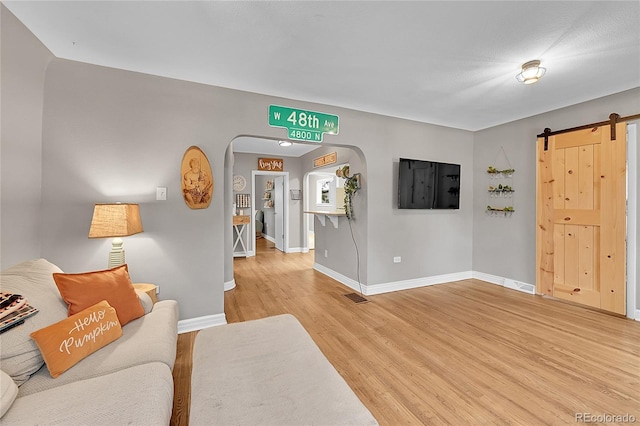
[[115, 220]]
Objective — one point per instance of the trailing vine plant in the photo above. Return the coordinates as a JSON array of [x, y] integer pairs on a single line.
[[351, 186]]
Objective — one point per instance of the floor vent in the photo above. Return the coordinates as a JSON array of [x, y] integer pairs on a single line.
[[520, 286], [356, 298]]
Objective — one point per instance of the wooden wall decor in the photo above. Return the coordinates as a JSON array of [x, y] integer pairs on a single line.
[[271, 164], [197, 179], [325, 160]]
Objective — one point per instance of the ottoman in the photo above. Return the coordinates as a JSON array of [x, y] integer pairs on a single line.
[[268, 372]]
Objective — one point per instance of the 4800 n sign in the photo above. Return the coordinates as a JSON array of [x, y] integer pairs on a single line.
[[303, 125]]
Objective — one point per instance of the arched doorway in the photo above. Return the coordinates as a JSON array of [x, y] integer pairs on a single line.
[[243, 161]]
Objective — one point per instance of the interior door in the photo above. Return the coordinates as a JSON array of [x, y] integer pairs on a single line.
[[581, 217], [278, 209]]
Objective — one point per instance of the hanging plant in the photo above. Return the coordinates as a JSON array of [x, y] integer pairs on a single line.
[[351, 186]]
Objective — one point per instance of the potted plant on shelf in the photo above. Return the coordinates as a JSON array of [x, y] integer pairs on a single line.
[[507, 172], [495, 173], [501, 190], [351, 186]]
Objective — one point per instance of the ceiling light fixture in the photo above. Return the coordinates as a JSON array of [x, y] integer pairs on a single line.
[[531, 72], [285, 143]]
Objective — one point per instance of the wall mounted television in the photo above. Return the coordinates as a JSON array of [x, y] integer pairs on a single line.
[[428, 185]]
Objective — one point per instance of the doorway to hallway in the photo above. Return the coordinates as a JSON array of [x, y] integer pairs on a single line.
[[269, 189]]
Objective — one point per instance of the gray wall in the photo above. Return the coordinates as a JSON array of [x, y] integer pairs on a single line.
[[228, 213], [24, 61], [243, 164], [430, 242], [506, 247], [338, 242]]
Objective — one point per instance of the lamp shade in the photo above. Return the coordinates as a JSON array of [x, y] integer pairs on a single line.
[[115, 220]]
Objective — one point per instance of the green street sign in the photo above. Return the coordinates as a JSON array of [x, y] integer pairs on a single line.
[[303, 125]]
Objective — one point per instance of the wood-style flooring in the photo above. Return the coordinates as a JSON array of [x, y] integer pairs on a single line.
[[461, 353]]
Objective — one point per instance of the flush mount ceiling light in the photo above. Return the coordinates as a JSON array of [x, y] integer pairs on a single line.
[[531, 72], [285, 143]]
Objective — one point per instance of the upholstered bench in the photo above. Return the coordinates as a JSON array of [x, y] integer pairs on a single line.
[[268, 372]]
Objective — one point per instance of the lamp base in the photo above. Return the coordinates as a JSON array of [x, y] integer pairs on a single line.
[[116, 255]]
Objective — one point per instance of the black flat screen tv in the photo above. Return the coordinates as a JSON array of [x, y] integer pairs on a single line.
[[428, 185]]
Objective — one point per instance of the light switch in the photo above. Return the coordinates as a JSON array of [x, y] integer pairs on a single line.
[[161, 193]]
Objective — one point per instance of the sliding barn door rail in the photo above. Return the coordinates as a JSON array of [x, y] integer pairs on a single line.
[[613, 119]]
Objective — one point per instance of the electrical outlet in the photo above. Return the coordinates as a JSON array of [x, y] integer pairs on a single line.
[[397, 259], [326, 253], [157, 289]]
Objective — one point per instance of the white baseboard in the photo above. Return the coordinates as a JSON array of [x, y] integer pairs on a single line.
[[269, 238], [353, 284], [248, 253], [493, 279], [199, 323], [637, 314], [505, 282], [230, 285], [372, 289], [418, 282], [296, 250], [369, 290]]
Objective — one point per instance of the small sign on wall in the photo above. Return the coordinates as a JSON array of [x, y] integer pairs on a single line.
[[325, 160], [271, 164]]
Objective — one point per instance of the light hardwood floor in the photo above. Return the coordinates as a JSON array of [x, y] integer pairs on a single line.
[[466, 352]]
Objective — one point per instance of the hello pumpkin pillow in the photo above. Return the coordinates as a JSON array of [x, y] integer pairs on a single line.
[[114, 285], [69, 341]]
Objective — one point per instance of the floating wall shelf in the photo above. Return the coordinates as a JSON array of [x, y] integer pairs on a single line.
[[322, 217]]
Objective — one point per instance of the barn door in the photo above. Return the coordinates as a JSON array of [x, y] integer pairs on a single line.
[[581, 217]]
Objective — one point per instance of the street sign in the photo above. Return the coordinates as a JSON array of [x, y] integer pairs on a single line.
[[303, 125]]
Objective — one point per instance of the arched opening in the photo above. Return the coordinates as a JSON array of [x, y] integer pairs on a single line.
[[259, 189]]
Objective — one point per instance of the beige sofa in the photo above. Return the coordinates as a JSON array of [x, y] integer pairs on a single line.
[[129, 381]]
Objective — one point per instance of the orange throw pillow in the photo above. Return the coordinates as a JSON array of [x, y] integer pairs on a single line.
[[67, 342], [80, 291]]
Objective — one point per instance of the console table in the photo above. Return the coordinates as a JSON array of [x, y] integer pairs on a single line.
[[239, 226]]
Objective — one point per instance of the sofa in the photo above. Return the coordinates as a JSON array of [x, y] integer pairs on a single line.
[[127, 381]]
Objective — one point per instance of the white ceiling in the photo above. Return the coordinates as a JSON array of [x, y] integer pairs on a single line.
[[271, 147], [451, 63]]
